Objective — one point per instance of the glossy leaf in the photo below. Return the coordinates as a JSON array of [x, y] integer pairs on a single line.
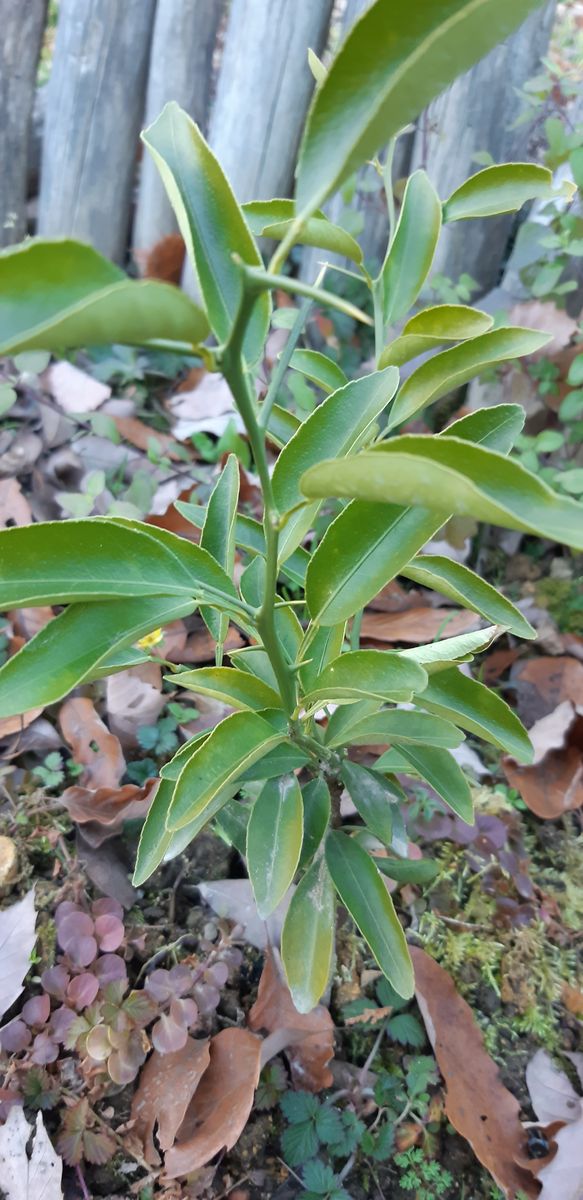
[[439, 769], [172, 769], [410, 256], [273, 219], [317, 809], [399, 726], [435, 656], [250, 536], [362, 674], [407, 870], [64, 295], [364, 894], [210, 220], [393, 62], [459, 583], [274, 841], [341, 721], [452, 476], [325, 645], [237, 688], [307, 939], [451, 368], [71, 648], [372, 797], [62, 561], [499, 189], [255, 661], [338, 426], [218, 538], [157, 844], [282, 760], [322, 371], [479, 710], [431, 327], [229, 750], [368, 544]]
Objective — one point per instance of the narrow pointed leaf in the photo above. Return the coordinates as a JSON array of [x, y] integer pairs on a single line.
[[409, 259], [250, 536], [237, 688], [157, 844], [307, 939], [218, 537], [325, 646], [393, 62], [233, 746], [274, 841], [500, 189], [407, 870], [64, 295], [210, 220], [364, 894], [282, 760], [459, 583], [433, 326], [372, 797], [439, 769], [437, 656], [172, 769], [453, 367], [338, 426], [368, 544], [452, 476], [399, 726], [479, 710], [71, 648], [320, 369], [274, 218], [341, 721], [317, 809], [366, 674]]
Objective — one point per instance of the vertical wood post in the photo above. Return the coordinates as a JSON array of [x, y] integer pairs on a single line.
[[95, 105], [22, 24]]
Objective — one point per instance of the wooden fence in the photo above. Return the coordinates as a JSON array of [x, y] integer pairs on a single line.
[[240, 68]]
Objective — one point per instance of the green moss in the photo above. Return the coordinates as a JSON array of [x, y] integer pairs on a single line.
[[563, 598]]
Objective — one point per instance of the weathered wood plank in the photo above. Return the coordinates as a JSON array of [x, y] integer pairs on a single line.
[[180, 69], [95, 105], [22, 24]]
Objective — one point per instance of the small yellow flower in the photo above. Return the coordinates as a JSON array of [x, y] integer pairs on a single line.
[[151, 639]]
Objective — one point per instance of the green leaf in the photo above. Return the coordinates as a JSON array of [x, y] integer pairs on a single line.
[[410, 256], [440, 770], [317, 809], [322, 371], [250, 536], [368, 544], [479, 710], [232, 746], [218, 538], [393, 62], [344, 717], [237, 688], [451, 368], [274, 841], [459, 583], [362, 890], [231, 824], [500, 189], [407, 1030], [435, 656], [430, 328], [255, 661], [172, 769], [408, 870], [362, 674], [274, 219], [157, 844], [372, 797], [102, 559], [307, 940], [398, 726], [70, 648], [339, 426], [282, 760], [452, 476], [210, 221], [64, 295], [325, 645]]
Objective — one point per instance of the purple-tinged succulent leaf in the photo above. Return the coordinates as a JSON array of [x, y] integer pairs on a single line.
[[207, 997], [159, 986], [98, 1044], [82, 950], [44, 1049], [109, 932], [37, 1010], [107, 906], [180, 979], [15, 1036], [64, 908], [61, 1022], [55, 981], [184, 1012], [110, 968], [232, 957], [74, 925], [167, 1036], [217, 974], [83, 989], [123, 1065]]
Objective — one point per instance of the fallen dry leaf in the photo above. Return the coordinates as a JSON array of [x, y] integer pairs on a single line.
[[234, 899], [166, 1086], [107, 866], [142, 436], [101, 812], [495, 664], [307, 1038], [200, 647], [17, 940], [555, 785], [165, 260], [28, 621], [544, 315], [394, 598], [552, 1095], [74, 390], [82, 728], [572, 999], [542, 684], [11, 725], [207, 408], [14, 507], [37, 1177], [562, 1178], [476, 1102], [221, 1104], [417, 625], [134, 698]]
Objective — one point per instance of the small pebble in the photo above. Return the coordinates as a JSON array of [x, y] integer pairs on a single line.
[[8, 862]]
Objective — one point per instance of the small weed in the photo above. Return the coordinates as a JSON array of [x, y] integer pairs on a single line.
[[423, 1176]]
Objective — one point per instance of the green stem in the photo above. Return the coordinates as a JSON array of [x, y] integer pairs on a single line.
[[388, 182], [259, 280], [355, 631], [285, 356], [379, 320]]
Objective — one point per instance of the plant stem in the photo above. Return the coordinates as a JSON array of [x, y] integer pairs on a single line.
[[388, 182], [355, 631], [285, 356], [260, 280]]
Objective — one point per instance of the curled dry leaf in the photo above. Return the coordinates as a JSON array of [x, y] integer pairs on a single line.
[[562, 1177], [552, 1094], [234, 899], [24, 1177], [477, 1103], [17, 939], [207, 408], [543, 683], [166, 1086], [12, 725], [134, 698], [142, 436], [417, 625], [307, 1038], [221, 1104], [74, 390], [554, 784], [544, 315], [82, 728], [101, 812], [200, 647], [14, 507]]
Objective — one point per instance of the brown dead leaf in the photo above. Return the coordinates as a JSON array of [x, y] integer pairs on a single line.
[[308, 1038], [553, 785], [207, 408], [572, 999], [166, 1086], [544, 315], [82, 728], [12, 725], [101, 812], [28, 621], [496, 664], [221, 1104], [552, 1094], [562, 1177], [165, 260], [200, 647], [142, 436], [417, 625], [394, 598], [174, 521], [134, 698], [74, 390], [14, 507], [477, 1103], [543, 683]]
